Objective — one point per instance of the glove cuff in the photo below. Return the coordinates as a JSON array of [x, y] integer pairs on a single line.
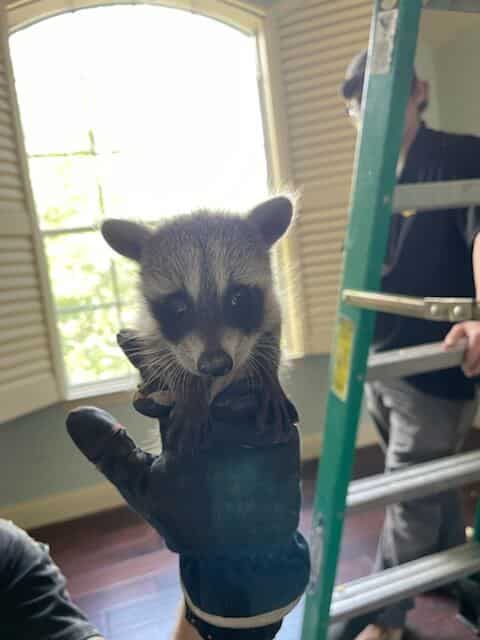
[[246, 590]]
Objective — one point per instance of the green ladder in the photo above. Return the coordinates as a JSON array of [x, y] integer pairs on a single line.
[[392, 47]]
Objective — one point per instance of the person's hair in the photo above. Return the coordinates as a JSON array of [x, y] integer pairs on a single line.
[[353, 89]]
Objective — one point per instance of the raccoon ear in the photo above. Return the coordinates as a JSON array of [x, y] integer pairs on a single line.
[[272, 218], [127, 238]]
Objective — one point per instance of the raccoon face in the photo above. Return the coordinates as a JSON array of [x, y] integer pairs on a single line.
[[207, 283]]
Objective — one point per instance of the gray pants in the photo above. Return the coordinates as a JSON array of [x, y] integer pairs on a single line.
[[415, 427]]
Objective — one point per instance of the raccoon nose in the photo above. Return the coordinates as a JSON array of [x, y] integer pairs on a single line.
[[215, 363]]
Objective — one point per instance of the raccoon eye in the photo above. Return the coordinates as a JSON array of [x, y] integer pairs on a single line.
[[243, 308], [240, 296], [178, 306], [175, 313]]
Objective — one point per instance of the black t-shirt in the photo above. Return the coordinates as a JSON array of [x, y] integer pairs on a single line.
[[34, 603], [430, 254]]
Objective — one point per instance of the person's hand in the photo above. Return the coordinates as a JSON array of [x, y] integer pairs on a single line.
[[175, 490], [470, 332]]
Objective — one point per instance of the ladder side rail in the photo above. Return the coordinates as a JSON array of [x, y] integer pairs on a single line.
[[387, 85]]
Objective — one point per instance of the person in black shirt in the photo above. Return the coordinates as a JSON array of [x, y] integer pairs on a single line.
[[34, 601], [422, 417]]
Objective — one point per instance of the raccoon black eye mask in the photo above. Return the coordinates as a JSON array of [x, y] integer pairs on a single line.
[[210, 313], [241, 307]]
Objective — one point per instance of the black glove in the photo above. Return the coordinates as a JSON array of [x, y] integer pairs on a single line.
[[230, 510]]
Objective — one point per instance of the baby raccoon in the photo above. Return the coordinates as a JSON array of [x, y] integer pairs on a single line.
[[211, 315]]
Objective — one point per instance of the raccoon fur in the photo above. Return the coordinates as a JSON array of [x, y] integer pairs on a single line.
[[210, 313]]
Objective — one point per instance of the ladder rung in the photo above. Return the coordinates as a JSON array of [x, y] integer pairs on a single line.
[[381, 589], [398, 363], [437, 309], [417, 481], [462, 6], [437, 195]]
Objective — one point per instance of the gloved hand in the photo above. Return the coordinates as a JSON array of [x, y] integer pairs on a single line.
[[230, 510]]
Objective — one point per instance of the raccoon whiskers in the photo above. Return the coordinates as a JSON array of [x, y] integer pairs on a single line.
[[160, 368], [179, 381], [254, 374]]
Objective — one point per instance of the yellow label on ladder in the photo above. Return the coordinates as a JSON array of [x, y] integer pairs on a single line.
[[343, 357]]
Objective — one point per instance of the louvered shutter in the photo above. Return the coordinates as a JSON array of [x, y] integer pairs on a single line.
[[28, 377], [316, 40]]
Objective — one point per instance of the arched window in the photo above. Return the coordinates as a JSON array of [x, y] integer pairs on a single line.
[[131, 111]]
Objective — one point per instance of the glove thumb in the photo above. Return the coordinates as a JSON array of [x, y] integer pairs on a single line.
[[107, 444], [93, 431]]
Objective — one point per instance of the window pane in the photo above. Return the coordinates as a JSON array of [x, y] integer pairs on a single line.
[[65, 191], [127, 280], [143, 131], [52, 98], [133, 188], [79, 270], [89, 346]]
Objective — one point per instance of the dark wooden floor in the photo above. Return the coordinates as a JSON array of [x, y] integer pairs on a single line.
[[123, 577]]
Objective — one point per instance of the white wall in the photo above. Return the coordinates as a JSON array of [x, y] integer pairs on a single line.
[[426, 70], [458, 74]]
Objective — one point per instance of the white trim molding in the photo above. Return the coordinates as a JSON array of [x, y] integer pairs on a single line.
[[237, 13], [60, 507]]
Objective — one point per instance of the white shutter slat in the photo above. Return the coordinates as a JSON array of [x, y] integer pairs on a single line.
[[303, 175], [20, 308], [24, 320], [323, 144], [17, 257], [315, 80], [10, 296], [14, 245], [10, 194], [28, 361], [310, 46], [24, 371], [303, 131], [22, 358], [317, 40], [10, 271], [333, 239], [10, 179], [326, 195], [321, 271], [304, 14], [16, 333], [322, 158], [303, 68], [26, 344], [20, 282], [9, 157]]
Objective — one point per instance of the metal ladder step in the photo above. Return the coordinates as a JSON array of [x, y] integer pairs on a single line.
[[414, 482], [437, 195], [399, 363], [381, 589]]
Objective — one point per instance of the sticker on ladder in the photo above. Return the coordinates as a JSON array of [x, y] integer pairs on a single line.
[[342, 363], [385, 31]]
